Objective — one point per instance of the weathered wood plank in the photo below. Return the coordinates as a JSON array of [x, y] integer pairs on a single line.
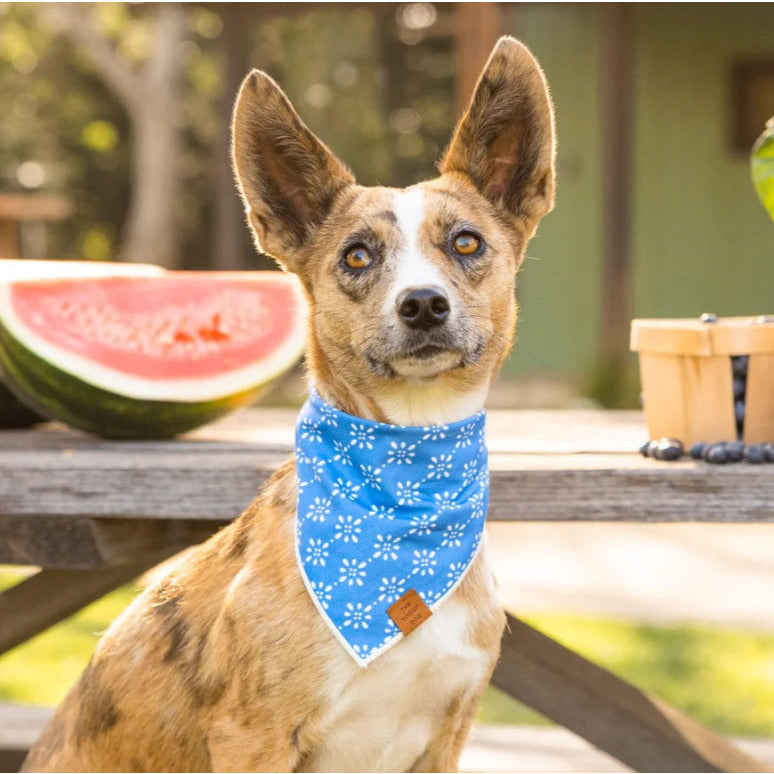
[[49, 596], [546, 465], [573, 489], [191, 492], [42, 541], [87, 543], [524, 487], [636, 728]]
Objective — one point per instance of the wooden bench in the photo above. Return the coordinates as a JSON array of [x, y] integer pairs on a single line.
[[95, 514]]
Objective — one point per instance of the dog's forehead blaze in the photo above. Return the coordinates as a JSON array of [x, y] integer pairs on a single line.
[[418, 212]]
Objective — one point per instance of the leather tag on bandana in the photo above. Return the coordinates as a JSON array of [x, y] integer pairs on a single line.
[[409, 611]]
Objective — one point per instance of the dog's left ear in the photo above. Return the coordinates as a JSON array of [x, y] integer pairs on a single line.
[[505, 141]]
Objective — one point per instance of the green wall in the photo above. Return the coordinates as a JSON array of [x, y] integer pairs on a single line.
[[559, 289], [700, 240]]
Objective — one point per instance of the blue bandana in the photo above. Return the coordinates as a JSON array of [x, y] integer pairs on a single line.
[[384, 510]]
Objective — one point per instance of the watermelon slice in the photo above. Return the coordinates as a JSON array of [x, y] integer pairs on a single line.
[[14, 413], [148, 356]]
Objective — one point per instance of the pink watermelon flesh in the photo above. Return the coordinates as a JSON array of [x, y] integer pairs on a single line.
[[166, 328]]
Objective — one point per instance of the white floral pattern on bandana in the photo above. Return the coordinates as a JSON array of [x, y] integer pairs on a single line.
[[383, 509]]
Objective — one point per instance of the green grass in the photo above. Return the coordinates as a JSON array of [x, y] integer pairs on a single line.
[[721, 677], [41, 670]]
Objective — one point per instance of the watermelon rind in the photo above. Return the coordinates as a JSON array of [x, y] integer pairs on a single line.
[[76, 391], [107, 414], [13, 269]]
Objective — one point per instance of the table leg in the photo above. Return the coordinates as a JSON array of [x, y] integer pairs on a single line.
[[49, 596], [638, 729]]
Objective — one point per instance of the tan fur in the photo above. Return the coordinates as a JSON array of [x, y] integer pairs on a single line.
[[225, 664]]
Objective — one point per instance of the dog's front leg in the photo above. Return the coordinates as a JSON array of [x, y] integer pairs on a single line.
[[445, 747]]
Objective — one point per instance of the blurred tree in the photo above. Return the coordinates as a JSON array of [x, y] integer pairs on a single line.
[[93, 92], [61, 122], [145, 75], [229, 234], [419, 71]]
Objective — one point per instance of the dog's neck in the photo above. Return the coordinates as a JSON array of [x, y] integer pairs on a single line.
[[420, 403], [415, 402]]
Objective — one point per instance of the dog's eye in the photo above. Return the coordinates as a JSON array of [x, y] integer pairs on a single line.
[[357, 257], [466, 243]]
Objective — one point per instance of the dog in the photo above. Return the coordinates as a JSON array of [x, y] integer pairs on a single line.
[[227, 664]]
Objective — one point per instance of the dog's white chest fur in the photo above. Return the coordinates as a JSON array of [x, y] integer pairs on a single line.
[[383, 717]]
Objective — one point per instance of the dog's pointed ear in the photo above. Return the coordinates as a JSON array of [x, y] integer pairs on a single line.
[[287, 177], [505, 140]]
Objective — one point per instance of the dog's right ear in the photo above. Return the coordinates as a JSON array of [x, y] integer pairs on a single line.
[[287, 177]]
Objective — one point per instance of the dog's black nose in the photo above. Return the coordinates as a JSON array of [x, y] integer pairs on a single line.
[[423, 307]]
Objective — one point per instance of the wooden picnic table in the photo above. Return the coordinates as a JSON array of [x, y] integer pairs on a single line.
[[93, 514]]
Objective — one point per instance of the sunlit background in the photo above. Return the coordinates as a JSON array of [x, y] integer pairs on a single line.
[[123, 110]]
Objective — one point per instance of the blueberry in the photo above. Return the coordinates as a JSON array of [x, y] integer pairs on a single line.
[[754, 453], [739, 411], [740, 385], [644, 449], [668, 450], [735, 451], [768, 451], [739, 365], [652, 446], [716, 454], [709, 317], [697, 450]]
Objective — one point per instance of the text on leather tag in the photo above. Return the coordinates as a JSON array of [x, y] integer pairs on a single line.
[[409, 611]]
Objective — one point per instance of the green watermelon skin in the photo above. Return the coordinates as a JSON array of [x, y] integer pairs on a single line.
[[13, 413], [54, 392]]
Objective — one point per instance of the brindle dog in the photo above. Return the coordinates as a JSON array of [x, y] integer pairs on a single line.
[[225, 664]]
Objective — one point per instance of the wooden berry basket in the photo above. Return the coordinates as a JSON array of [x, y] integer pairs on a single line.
[[687, 383]]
